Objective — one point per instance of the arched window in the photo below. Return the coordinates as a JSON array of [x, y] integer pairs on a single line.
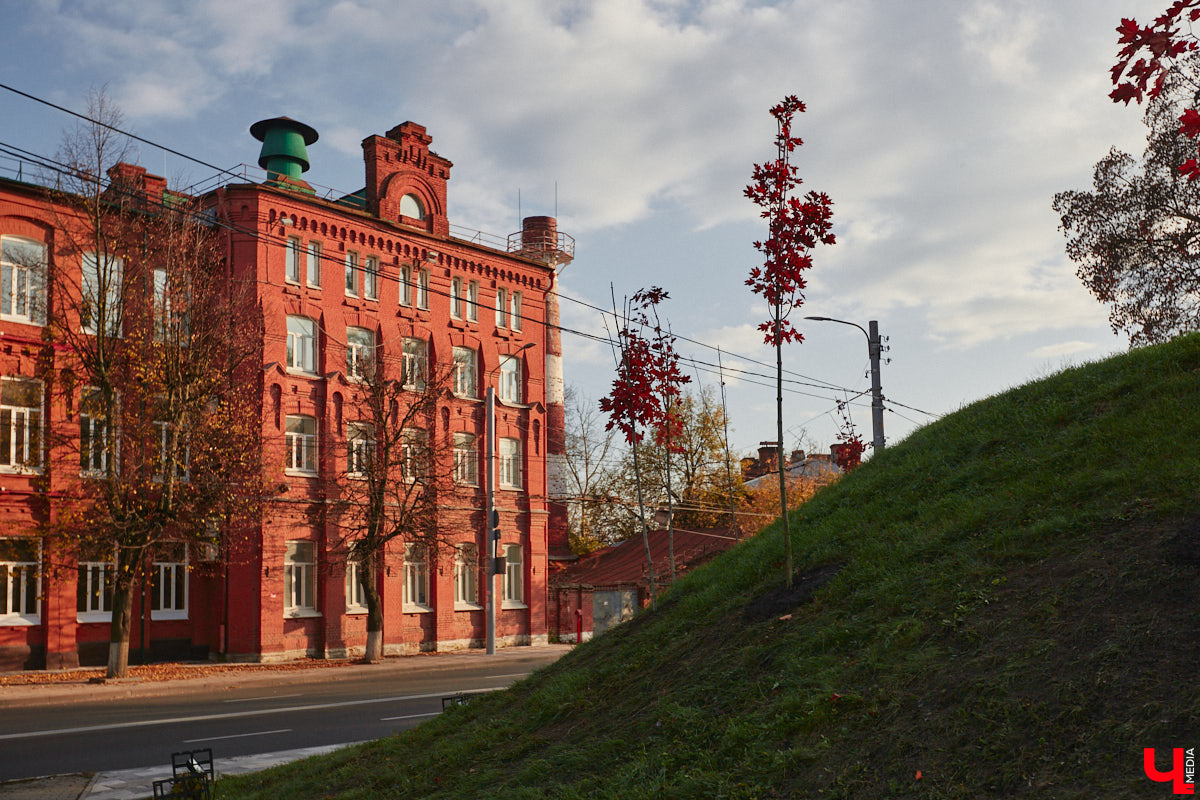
[[410, 206]]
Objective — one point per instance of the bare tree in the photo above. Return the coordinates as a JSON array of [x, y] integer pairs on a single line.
[[596, 515]]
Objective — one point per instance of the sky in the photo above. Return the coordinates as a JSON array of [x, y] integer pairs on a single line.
[[941, 129]]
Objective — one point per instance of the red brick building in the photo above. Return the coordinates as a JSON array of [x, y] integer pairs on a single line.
[[381, 267]]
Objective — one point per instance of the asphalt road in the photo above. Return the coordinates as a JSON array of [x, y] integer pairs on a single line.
[[84, 728]]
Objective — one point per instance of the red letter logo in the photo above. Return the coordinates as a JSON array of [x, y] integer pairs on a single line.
[[1176, 775]]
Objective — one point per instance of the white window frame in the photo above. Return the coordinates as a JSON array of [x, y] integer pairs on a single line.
[[466, 577], [95, 591], [406, 286], [413, 445], [182, 470], [409, 204], [472, 301], [302, 344], [456, 298], [466, 460], [416, 579], [22, 445], [356, 598], [312, 258], [466, 372], [510, 380], [90, 294], [513, 595], [358, 351], [514, 311], [300, 578], [371, 278], [22, 280], [301, 445], [501, 307], [93, 435], [414, 357], [20, 582], [293, 262], [423, 289], [360, 448], [352, 270], [509, 457], [169, 582]]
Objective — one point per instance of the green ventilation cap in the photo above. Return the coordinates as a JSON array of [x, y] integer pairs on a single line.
[[283, 152]]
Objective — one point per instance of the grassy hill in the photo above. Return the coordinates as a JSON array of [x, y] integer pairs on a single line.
[[1003, 605]]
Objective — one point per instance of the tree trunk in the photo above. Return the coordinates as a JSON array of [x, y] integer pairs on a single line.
[[637, 475], [367, 578], [118, 644], [783, 504]]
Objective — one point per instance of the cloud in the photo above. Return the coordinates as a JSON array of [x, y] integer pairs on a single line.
[[1062, 349]]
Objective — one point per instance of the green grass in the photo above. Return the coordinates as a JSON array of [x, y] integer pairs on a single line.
[[1014, 615]]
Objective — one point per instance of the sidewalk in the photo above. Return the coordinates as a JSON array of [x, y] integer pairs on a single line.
[[136, 784]]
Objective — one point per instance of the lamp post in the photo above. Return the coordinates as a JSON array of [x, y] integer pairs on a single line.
[[874, 348], [492, 527]]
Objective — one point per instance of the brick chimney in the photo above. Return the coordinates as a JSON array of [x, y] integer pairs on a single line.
[[135, 181], [399, 165]]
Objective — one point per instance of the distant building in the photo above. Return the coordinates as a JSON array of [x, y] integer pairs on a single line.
[[382, 267], [760, 472]]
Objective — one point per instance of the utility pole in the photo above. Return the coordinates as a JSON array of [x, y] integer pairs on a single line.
[[874, 349]]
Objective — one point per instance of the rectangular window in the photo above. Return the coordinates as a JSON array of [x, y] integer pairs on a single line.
[[300, 436], [371, 279], [172, 452], [465, 372], [93, 433], [170, 322], [466, 576], [20, 581], [510, 463], [314, 264], [514, 306], [413, 364], [20, 424], [169, 582], [294, 258], [356, 598], [302, 344], [360, 448], [22, 280], [473, 301], [514, 577], [299, 579], [423, 289], [352, 274], [456, 298], [360, 351], [100, 305], [510, 380], [414, 455], [501, 308], [416, 579], [406, 286], [94, 591], [466, 460]]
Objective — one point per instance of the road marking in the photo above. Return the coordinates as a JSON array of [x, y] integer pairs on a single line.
[[265, 697], [236, 736], [143, 723], [410, 716], [509, 675]]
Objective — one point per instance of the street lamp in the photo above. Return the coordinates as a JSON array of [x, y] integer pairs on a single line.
[[492, 527], [874, 347]]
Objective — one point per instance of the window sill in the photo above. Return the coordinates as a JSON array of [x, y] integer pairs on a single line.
[[468, 607], [512, 605], [414, 609], [356, 611], [7, 470], [315, 286], [505, 488], [300, 473], [300, 613], [469, 397], [300, 373], [17, 621], [163, 616], [93, 616]]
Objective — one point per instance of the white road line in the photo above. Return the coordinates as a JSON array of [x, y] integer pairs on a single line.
[[509, 675], [410, 716], [236, 736], [143, 723], [264, 697]]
